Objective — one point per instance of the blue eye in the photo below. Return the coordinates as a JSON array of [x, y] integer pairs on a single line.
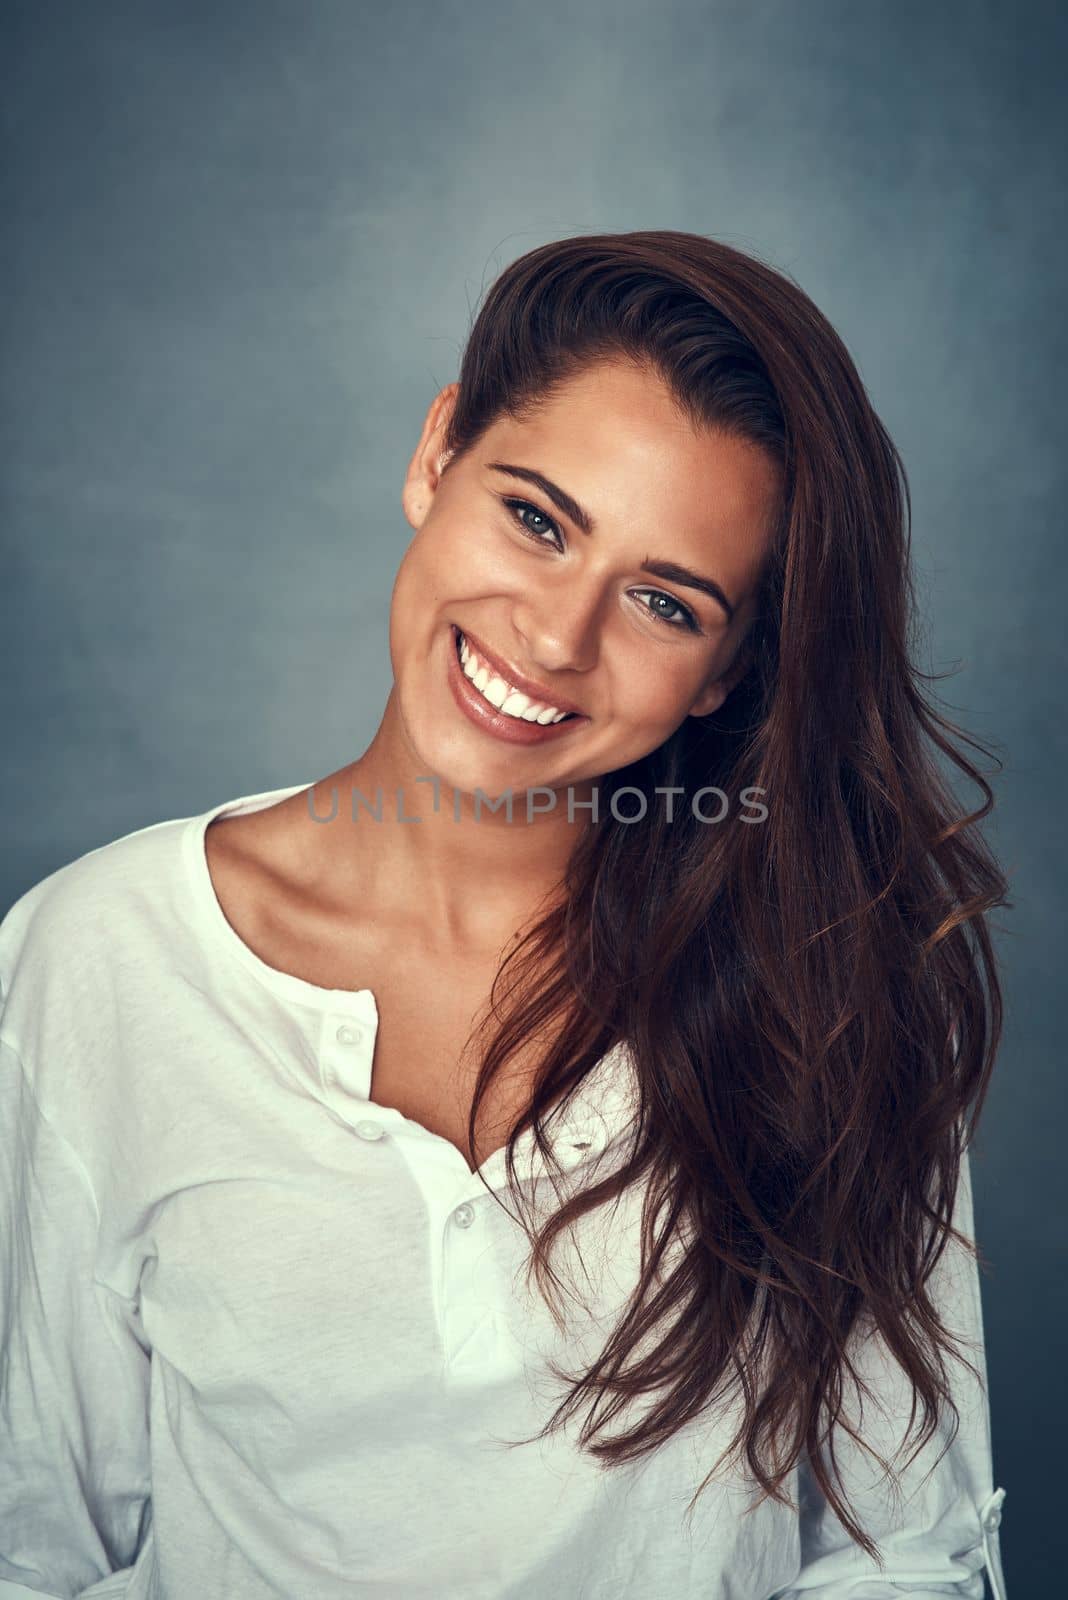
[[517, 507], [683, 617], [680, 610]]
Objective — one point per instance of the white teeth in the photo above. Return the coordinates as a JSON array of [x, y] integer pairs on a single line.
[[501, 695], [496, 692]]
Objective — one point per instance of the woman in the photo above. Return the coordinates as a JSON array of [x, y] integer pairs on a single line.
[[532, 1160]]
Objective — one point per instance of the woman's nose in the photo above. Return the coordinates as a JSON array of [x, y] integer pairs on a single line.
[[560, 631]]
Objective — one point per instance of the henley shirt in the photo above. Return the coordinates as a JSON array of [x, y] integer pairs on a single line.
[[261, 1336]]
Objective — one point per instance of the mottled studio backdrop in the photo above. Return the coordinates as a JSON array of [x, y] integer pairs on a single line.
[[242, 244]]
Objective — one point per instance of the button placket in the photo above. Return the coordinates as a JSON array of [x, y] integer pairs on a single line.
[[468, 1322], [344, 1057]]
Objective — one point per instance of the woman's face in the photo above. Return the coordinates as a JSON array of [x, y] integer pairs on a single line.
[[571, 612]]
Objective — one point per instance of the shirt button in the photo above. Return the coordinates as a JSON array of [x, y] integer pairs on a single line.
[[464, 1215], [347, 1035], [369, 1130]]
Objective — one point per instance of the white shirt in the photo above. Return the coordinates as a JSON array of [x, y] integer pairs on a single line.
[[261, 1336]]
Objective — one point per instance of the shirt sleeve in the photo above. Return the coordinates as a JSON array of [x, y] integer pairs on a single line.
[[939, 1535], [74, 1466]]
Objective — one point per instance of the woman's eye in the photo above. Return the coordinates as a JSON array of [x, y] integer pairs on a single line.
[[519, 507], [679, 616]]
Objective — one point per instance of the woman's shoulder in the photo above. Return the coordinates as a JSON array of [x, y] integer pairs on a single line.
[[89, 903], [87, 954], [127, 904]]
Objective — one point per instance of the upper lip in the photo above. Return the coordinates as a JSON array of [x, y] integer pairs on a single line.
[[517, 679]]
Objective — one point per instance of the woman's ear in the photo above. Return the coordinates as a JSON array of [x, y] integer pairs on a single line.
[[425, 467]]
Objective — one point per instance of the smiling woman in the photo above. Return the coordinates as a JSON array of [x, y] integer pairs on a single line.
[[559, 605], [355, 1161]]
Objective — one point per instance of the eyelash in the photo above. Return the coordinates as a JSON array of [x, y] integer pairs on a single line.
[[516, 507]]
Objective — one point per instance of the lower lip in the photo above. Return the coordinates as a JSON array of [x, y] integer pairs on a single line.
[[486, 717]]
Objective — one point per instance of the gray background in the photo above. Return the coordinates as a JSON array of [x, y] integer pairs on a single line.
[[242, 245]]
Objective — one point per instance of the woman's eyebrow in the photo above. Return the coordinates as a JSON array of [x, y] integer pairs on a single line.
[[560, 497], [670, 570]]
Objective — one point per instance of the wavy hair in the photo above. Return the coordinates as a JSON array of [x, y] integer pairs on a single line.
[[812, 1005]]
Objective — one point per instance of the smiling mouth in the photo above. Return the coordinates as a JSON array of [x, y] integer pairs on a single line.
[[501, 698]]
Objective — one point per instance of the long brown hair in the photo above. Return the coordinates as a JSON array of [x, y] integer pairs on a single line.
[[811, 1005]]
